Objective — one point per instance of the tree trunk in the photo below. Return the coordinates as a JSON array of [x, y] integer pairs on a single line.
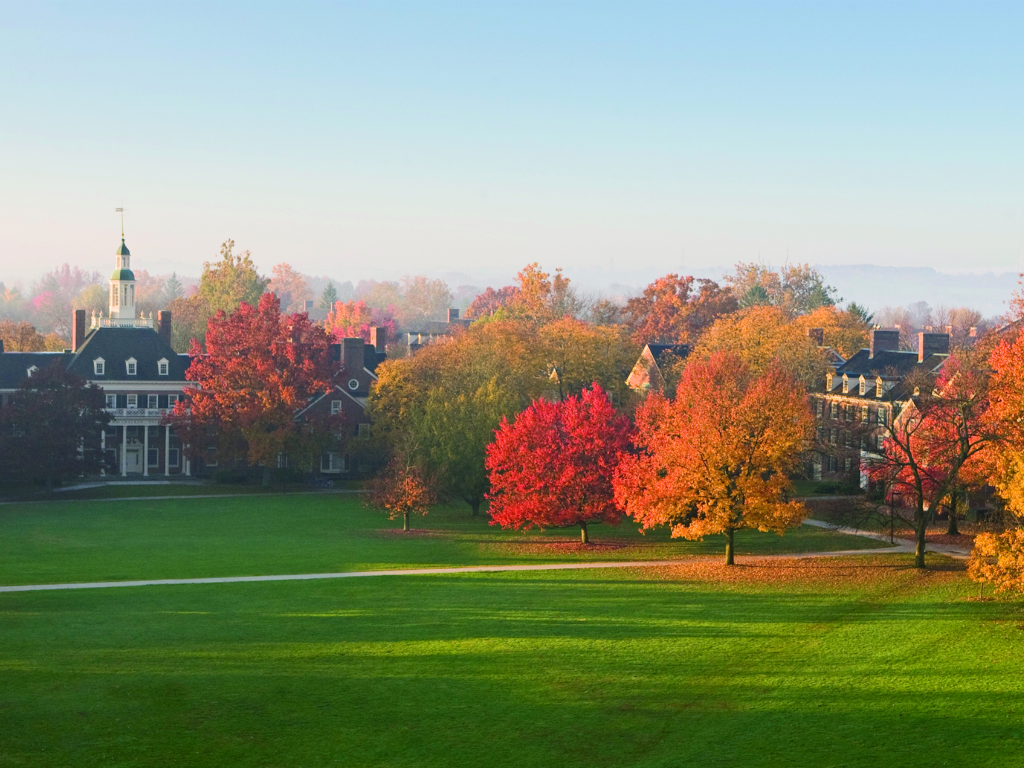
[[729, 557], [584, 538], [951, 528], [922, 529], [475, 506], [405, 521]]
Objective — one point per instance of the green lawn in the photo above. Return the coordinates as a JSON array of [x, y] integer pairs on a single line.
[[303, 533], [874, 665]]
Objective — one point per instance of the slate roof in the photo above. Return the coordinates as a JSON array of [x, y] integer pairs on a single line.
[[115, 346], [14, 365], [887, 363]]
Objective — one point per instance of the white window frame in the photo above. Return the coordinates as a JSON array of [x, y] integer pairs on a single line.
[[163, 367], [153, 452], [173, 457], [863, 385], [111, 401], [131, 366], [152, 401], [133, 401], [335, 463], [172, 401], [335, 407], [99, 366]]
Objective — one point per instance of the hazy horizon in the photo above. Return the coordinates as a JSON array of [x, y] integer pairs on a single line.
[[396, 138]]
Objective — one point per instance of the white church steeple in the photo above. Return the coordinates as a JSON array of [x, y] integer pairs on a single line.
[[122, 286]]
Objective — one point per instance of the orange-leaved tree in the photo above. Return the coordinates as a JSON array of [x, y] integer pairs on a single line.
[[718, 458], [258, 369], [998, 559], [676, 310], [401, 489], [553, 465]]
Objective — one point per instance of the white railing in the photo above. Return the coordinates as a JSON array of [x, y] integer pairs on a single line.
[[137, 413], [122, 322]]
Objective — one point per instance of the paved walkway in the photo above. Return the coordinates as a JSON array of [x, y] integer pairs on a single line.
[[902, 547]]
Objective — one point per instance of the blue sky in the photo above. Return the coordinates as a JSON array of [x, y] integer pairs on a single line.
[[377, 139]]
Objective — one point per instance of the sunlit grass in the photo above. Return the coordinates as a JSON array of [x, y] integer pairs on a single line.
[[642, 667], [282, 534]]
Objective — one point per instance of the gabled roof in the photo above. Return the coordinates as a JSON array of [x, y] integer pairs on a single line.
[[116, 345]]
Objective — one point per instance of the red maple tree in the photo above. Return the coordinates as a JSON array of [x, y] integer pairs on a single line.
[[258, 369], [553, 465], [676, 309]]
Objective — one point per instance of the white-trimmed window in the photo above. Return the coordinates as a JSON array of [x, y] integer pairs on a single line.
[[846, 384], [353, 384], [172, 400], [111, 401], [335, 407], [363, 429], [211, 455], [172, 457], [332, 462], [133, 401], [163, 366], [153, 457], [863, 385], [878, 387], [864, 414], [99, 365], [152, 401], [131, 366]]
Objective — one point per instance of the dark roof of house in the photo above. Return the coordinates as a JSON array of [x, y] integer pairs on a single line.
[[14, 365], [887, 363], [116, 345], [679, 350]]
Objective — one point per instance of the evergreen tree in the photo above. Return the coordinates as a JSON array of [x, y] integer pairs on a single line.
[[328, 297], [173, 288]]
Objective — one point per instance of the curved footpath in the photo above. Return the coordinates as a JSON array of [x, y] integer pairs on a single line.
[[903, 546]]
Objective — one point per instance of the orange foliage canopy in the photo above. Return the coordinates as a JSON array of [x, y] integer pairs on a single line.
[[718, 457], [998, 559], [676, 310]]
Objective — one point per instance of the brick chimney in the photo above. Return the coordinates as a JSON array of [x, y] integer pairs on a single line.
[[453, 315], [163, 325], [931, 344], [378, 338], [352, 351], [77, 329], [817, 335], [884, 341]]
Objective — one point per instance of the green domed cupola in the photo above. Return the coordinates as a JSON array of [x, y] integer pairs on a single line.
[[122, 285]]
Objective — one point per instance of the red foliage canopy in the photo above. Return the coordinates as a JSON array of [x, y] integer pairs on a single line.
[[553, 465], [259, 368]]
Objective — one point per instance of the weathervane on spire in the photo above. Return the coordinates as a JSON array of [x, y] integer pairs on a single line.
[[121, 211]]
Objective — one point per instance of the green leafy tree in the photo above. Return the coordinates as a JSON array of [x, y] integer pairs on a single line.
[[227, 283], [51, 428]]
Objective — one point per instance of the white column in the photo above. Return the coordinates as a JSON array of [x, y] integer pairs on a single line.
[[188, 468], [124, 451], [167, 451], [103, 451], [145, 451]]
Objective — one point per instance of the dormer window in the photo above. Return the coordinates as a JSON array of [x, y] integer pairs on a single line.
[[878, 387], [163, 367], [99, 366], [828, 382], [846, 384], [131, 365], [863, 386]]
